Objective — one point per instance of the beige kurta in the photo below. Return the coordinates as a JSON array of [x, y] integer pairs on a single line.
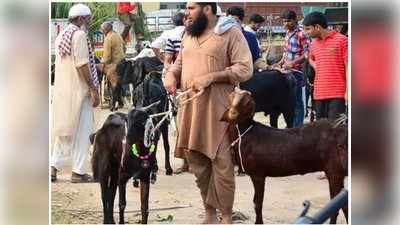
[[113, 48], [199, 125], [114, 52], [69, 88]]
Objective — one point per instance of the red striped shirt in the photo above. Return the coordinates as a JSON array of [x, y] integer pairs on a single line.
[[329, 56]]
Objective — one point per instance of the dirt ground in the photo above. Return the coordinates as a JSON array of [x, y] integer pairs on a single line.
[[176, 199]]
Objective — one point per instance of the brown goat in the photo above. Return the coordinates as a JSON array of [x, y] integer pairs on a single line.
[[263, 151]]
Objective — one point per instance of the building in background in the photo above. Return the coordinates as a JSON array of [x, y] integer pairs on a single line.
[[150, 6], [155, 6], [272, 31], [274, 9]]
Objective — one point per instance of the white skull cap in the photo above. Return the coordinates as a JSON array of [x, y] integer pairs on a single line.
[[79, 10]]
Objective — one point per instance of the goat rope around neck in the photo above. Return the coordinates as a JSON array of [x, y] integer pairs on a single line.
[[135, 152], [239, 139]]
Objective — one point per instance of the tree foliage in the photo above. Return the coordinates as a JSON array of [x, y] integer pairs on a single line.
[[101, 11]]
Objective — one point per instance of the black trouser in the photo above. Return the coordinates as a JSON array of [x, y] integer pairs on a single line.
[[330, 108]]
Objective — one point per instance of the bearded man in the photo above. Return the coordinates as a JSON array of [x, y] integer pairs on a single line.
[[213, 60], [75, 95]]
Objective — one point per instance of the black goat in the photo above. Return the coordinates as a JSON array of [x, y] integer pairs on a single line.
[[118, 156]]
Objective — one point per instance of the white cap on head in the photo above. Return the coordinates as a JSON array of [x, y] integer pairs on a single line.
[[79, 10], [219, 11]]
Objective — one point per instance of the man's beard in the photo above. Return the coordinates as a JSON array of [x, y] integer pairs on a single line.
[[198, 26], [85, 28]]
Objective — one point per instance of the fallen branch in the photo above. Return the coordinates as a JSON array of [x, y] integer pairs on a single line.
[[127, 211]]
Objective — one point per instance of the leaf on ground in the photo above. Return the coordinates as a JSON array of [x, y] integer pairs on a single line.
[[168, 218]]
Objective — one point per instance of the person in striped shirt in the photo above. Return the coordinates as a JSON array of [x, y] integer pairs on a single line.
[[173, 44], [160, 43], [328, 56], [172, 48]]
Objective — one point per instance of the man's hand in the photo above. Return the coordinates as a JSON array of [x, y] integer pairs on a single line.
[[201, 82], [94, 95], [170, 84]]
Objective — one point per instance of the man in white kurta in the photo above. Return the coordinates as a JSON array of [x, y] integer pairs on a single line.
[[73, 100]]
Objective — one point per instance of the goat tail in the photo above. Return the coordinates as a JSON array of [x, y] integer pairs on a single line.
[[95, 157], [91, 138]]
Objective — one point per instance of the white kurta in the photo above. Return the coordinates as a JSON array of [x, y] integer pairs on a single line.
[[69, 88], [72, 120]]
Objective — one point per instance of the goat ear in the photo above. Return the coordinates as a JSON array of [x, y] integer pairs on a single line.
[[225, 116]]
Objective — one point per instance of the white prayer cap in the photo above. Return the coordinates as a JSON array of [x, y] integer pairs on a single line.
[[79, 10]]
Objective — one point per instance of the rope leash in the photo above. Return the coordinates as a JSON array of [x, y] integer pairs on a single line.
[[239, 139], [168, 113]]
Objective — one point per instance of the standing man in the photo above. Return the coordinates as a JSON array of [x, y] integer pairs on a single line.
[[172, 48], [295, 52], [114, 52], [329, 58], [174, 38], [238, 14], [75, 95], [161, 41], [129, 13], [214, 63], [255, 22]]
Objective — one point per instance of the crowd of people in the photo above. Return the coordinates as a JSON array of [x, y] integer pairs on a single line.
[[206, 51]]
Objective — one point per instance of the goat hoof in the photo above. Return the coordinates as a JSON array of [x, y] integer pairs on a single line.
[[153, 178], [135, 183], [169, 172]]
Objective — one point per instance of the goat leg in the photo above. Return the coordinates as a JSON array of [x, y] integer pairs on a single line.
[[144, 199], [105, 199], [122, 195], [113, 191], [259, 184], [336, 184], [289, 117], [164, 132], [273, 119]]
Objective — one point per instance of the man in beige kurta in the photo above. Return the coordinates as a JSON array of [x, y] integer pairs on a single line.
[[74, 96], [214, 63], [114, 52]]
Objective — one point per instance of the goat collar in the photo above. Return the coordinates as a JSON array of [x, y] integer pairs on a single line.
[[134, 151], [239, 139]]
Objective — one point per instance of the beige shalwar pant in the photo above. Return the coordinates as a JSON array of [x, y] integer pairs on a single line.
[[110, 71], [77, 145], [215, 177]]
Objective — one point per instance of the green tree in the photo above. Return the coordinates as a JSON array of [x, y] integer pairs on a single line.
[[101, 11]]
